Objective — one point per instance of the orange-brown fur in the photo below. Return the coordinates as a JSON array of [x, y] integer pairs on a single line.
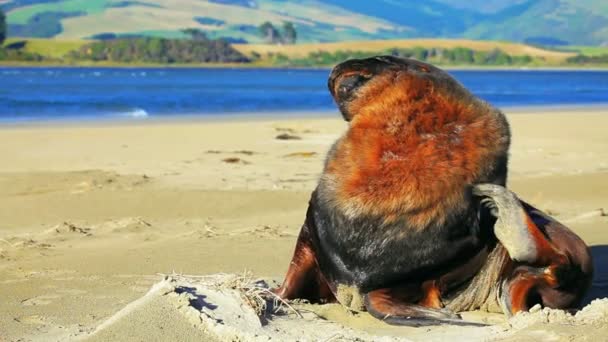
[[412, 149], [431, 295], [546, 252]]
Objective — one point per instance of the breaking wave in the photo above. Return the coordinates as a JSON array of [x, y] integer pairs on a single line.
[[137, 113]]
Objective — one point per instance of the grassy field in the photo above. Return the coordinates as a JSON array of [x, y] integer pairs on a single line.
[[52, 48], [588, 50], [302, 50]]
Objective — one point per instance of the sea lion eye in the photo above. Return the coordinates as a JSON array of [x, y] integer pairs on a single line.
[[424, 68], [352, 82]]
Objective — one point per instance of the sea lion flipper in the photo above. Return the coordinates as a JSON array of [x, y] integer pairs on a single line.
[[304, 279], [388, 306], [553, 268], [511, 227], [518, 231]]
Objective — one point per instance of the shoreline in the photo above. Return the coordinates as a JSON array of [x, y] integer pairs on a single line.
[[261, 116]]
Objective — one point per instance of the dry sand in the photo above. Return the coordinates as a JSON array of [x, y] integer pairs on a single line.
[[91, 214]]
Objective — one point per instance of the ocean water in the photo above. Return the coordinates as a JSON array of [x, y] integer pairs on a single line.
[[37, 94]]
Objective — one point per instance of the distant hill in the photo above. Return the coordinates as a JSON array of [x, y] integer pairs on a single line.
[[542, 22]]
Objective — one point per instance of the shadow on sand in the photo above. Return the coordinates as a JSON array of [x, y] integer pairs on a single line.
[[599, 288]]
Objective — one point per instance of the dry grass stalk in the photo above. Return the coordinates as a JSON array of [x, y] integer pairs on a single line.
[[254, 295]]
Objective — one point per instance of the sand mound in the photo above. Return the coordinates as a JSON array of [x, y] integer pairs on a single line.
[[239, 308], [229, 308]]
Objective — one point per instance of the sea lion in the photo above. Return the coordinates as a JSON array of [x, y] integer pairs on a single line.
[[411, 220]]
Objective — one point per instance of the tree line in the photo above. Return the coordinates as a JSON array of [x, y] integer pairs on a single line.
[[2, 27], [197, 49], [587, 60], [272, 35], [443, 56]]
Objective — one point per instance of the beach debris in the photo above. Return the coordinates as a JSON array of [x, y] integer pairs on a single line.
[[255, 293], [287, 136], [31, 319], [126, 225], [141, 180], [301, 154], [245, 152], [208, 231], [285, 129], [26, 243], [235, 160], [263, 231], [269, 231], [106, 180], [293, 130], [68, 227], [39, 300], [294, 180]]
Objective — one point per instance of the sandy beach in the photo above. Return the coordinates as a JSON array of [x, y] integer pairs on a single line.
[[92, 215]]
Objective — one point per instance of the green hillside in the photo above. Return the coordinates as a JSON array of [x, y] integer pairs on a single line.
[[236, 20], [538, 22], [575, 22]]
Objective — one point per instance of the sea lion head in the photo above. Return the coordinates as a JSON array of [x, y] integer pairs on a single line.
[[356, 83]]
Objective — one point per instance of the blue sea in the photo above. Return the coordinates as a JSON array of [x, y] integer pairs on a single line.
[[42, 94]]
